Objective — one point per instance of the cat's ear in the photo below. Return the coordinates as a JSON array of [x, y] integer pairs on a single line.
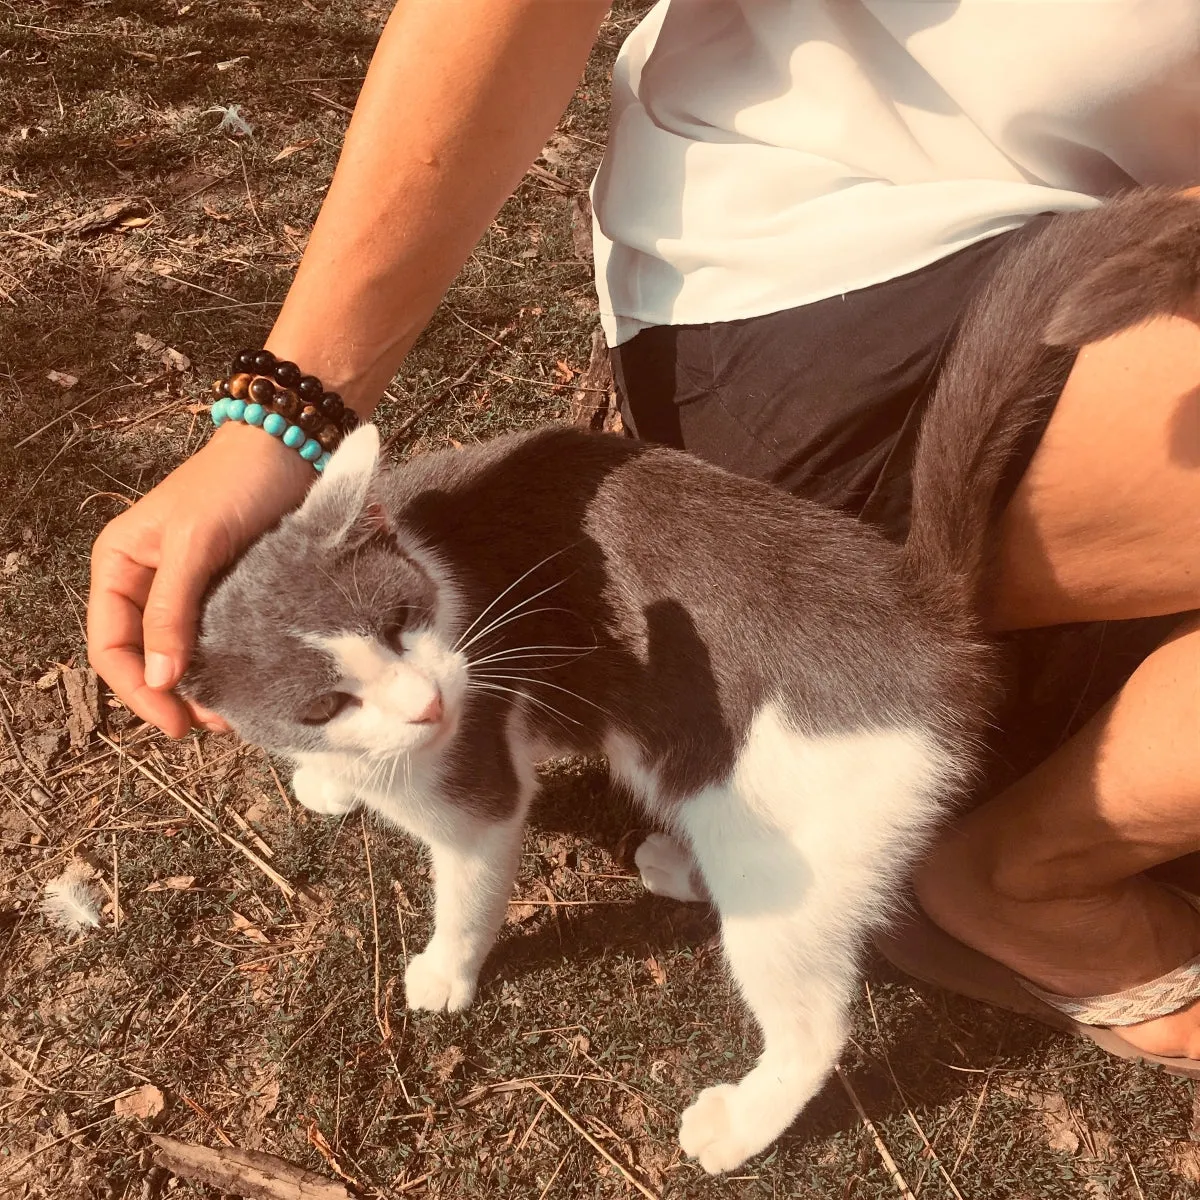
[[338, 500]]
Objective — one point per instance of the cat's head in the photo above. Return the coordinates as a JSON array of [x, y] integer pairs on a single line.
[[335, 631]]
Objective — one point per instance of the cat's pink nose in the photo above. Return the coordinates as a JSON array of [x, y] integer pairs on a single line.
[[432, 712]]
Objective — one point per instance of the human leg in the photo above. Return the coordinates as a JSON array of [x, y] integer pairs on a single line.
[[1047, 877]]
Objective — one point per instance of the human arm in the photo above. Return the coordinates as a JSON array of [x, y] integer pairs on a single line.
[[459, 98]]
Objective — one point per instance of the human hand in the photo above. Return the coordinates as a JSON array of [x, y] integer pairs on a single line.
[[151, 564]]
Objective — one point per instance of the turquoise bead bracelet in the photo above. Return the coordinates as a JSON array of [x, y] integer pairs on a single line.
[[292, 436]]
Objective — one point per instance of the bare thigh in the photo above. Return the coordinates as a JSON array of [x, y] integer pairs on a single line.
[[1105, 524]]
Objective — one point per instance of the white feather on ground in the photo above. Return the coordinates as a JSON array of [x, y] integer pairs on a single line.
[[70, 903]]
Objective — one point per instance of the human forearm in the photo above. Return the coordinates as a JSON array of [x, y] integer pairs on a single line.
[[459, 98]]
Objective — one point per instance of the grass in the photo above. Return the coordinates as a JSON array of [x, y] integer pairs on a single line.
[[273, 1019]]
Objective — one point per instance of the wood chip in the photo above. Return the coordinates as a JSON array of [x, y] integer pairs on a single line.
[[82, 688], [108, 216], [252, 1174], [581, 226], [594, 404]]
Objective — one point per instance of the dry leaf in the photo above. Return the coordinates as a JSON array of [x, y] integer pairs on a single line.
[[447, 1062], [48, 680], [17, 194], [173, 358], [518, 914], [564, 372], [134, 222], [249, 930], [63, 380], [288, 151], [216, 216], [248, 1173], [320, 1143], [175, 883], [656, 972], [143, 55], [145, 1104], [230, 63]]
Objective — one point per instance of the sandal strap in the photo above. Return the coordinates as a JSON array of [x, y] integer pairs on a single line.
[[1143, 1002]]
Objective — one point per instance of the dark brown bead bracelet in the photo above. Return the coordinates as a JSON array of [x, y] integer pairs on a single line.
[[279, 386]]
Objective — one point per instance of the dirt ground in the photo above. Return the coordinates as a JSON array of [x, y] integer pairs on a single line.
[[243, 986]]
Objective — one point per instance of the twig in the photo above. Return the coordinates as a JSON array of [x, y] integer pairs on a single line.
[[888, 1161], [62, 416], [205, 1117], [904, 1099], [253, 207], [1137, 1183], [446, 392], [278, 783], [553, 1177], [116, 888], [26, 1072], [362, 820], [974, 1121], [332, 103], [269, 871], [579, 1129]]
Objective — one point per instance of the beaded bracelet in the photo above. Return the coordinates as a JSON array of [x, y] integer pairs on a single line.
[[272, 394]]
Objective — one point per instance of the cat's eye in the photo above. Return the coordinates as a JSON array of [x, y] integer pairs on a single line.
[[324, 708]]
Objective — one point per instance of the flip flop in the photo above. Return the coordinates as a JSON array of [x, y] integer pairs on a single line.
[[921, 949]]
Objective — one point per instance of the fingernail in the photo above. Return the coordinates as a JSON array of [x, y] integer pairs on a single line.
[[160, 670]]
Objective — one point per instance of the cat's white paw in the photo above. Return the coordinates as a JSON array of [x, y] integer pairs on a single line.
[[666, 868], [322, 793], [433, 982], [721, 1130]]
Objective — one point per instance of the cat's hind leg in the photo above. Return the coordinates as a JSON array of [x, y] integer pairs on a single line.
[[668, 869], [799, 852]]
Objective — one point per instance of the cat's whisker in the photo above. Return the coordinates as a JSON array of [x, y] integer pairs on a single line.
[[546, 683], [500, 620], [558, 713], [547, 651], [484, 612], [514, 616]]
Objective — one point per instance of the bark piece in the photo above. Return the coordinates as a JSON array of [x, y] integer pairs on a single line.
[[251, 1174]]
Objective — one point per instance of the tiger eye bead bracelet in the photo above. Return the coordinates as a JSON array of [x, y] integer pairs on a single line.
[[273, 394]]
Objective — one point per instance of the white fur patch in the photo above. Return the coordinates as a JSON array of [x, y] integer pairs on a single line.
[[397, 692], [801, 849]]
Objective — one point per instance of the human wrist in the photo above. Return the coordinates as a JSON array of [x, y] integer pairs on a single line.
[[244, 448]]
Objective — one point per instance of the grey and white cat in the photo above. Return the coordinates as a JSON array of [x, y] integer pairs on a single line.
[[794, 700]]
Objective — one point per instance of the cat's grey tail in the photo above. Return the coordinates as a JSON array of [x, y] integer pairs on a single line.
[[1080, 278]]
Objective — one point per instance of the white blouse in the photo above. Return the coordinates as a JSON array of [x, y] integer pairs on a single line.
[[765, 154]]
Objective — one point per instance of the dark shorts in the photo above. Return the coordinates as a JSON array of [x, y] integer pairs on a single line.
[[824, 400]]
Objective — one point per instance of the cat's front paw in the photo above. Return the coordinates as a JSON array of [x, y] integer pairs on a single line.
[[434, 982], [667, 869], [717, 1129], [322, 793]]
